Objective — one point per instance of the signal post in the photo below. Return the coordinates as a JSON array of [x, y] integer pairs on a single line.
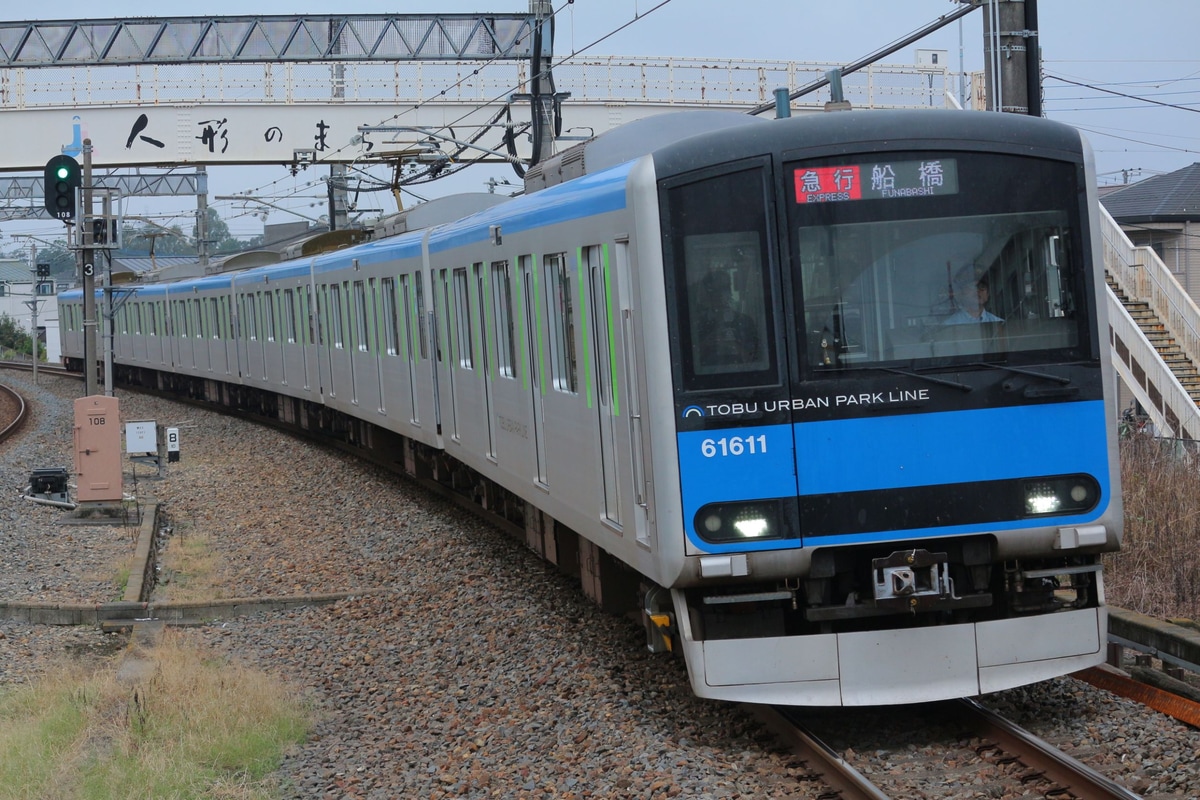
[[97, 437], [87, 259]]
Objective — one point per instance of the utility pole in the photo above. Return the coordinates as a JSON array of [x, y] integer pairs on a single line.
[[202, 217], [87, 260], [32, 302], [1012, 56]]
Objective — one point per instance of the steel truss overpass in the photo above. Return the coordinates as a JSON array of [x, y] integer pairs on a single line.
[[302, 90]]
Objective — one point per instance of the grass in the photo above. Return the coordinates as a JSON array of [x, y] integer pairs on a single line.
[[188, 568], [1157, 571], [200, 727], [122, 578]]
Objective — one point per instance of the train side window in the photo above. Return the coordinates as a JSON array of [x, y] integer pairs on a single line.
[[269, 316], [289, 296], [335, 315], [505, 331], [560, 298], [720, 265], [422, 334], [462, 313], [360, 315], [481, 304], [391, 322]]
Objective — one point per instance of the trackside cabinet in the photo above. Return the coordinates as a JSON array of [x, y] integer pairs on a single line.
[[98, 449]]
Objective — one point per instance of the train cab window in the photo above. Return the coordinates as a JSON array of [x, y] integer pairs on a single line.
[[719, 263], [931, 259]]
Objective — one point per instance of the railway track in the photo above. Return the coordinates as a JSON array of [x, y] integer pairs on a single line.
[[971, 745], [43, 369], [12, 412]]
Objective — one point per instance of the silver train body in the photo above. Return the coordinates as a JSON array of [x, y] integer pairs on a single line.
[[715, 377]]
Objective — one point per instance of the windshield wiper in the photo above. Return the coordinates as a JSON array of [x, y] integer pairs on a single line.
[[1031, 373], [962, 387]]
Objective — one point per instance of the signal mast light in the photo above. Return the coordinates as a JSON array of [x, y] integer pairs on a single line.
[[62, 178]]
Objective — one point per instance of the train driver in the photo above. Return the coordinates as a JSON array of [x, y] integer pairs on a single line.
[[972, 302]]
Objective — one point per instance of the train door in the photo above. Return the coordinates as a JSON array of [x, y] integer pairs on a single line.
[[291, 333], [357, 316], [485, 373], [306, 333], [410, 350], [446, 350], [170, 345], [595, 261], [270, 338], [235, 331], [331, 298], [378, 339], [631, 397], [535, 369], [427, 321]]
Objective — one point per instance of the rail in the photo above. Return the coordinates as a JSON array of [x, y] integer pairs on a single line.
[[1071, 775]]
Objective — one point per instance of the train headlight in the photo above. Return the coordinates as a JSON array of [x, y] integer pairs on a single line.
[[1070, 494], [739, 522]]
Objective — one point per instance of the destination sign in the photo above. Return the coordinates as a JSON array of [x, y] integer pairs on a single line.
[[883, 181]]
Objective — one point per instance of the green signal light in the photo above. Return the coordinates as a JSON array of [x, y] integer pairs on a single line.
[[63, 173]]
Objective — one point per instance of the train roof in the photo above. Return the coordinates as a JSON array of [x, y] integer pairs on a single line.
[[835, 132], [630, 141]]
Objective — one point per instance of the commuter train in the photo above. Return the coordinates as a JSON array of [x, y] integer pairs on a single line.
[[824, 401]]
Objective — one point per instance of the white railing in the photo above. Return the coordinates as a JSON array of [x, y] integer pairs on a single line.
[[605, 79], [1148, 377], [1143, 276]]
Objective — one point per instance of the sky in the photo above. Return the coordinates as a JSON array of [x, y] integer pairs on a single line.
[[1127, 74]]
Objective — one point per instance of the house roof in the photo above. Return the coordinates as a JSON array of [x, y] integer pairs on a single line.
[[15, 271], [144, 264], [1174, 197]]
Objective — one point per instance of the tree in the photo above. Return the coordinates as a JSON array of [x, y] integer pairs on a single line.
[[13, 337], [220, 240]]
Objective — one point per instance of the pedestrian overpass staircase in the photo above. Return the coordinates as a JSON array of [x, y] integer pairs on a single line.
[[1154, 332]]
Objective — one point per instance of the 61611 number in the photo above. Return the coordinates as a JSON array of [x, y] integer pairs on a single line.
[[734, 446]]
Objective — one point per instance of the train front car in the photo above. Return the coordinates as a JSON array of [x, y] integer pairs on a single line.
[[895, 436]]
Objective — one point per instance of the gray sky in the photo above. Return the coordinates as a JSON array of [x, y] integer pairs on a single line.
[[1145, 49]]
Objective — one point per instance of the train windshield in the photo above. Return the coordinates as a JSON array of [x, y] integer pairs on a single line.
[[721, 292], [927, 261]]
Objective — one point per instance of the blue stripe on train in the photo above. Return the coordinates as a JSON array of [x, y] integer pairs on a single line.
[[893, 452]]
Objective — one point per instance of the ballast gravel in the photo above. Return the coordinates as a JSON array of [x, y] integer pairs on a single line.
[[465, 667]]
